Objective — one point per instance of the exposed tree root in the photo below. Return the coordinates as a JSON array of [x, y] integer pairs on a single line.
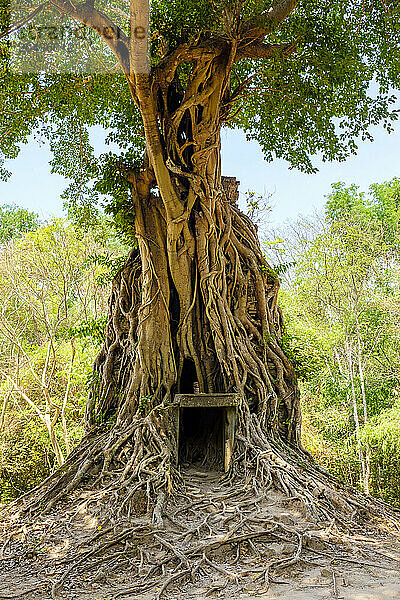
[[233, 535], [139, 461], [214, 528]]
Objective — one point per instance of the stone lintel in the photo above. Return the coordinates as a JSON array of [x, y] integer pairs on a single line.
[[206, 400]]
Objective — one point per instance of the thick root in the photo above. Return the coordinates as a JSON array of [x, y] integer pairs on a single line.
[[122, 464]]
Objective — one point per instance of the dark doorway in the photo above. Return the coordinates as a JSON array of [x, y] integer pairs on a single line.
[[188, 377], [201, 437]]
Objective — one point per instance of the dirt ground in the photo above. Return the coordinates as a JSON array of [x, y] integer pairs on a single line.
[[216, 541]]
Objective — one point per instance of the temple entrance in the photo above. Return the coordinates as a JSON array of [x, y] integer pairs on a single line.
[[201, 437], [205, 429]]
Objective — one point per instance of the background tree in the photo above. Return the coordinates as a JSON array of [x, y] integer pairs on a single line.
[[14, 221], [342, 312], [297, 78], [52, 317]]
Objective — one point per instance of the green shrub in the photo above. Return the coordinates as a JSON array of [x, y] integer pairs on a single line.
[[25, 458]]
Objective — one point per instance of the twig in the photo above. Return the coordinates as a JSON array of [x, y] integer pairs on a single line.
[[335, 592], [170, 580]]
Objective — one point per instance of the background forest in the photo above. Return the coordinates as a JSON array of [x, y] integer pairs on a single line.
[[340, 296]]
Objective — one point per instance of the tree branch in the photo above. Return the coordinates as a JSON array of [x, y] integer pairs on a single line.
[[259, 50], [24, 21], [280, 10], [112, 35], [165, 70]]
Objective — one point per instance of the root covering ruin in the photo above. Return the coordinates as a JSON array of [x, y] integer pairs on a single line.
[[276, 520], [132, 513]]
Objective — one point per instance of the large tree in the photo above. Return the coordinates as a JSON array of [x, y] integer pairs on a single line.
[[196, 300]]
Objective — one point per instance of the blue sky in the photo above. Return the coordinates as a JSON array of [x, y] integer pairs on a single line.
[[32, 185], [295, 193]]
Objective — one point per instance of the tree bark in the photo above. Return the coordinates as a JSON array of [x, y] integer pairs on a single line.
[[365, 409]]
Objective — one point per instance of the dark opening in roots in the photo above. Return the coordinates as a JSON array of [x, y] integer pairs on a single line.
[[201, 437], [188, 377]]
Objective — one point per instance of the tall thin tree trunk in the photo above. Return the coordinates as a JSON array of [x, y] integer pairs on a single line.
[[365, 410], [65, 400], [350, 365]]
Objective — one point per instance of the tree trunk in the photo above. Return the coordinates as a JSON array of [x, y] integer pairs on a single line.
[[364, 478], [196, 300], [365, 409]]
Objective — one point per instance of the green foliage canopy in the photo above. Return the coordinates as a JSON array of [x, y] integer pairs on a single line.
[[53, 306], [317, 99], [342, 319], [15, 221]]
